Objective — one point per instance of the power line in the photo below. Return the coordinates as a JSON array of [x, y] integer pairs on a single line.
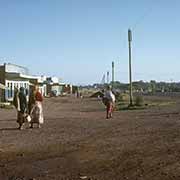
[[144, 15]]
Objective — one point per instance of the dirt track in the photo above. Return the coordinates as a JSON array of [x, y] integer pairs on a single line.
[[77, 140]]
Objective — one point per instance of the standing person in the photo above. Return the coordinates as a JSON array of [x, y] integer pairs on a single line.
[[37, 110], [16, 99], [32, 100], [109, 101], [20, 102]]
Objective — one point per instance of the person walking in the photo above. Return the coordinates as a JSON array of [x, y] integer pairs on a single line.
[[37, 110], [20, 102], [109, 101]]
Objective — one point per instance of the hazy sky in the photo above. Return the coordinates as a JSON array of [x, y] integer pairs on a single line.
[[78, 39]]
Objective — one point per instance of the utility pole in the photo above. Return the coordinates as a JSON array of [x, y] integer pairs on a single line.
[[103, 79], [107, 77], [112, 73], [130, 69]]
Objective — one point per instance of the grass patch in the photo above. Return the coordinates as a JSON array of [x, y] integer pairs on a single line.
[[124, 107], [6, 106], [141, 102], [162, 103]]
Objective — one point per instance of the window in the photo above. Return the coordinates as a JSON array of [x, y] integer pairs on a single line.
[[8, 84]]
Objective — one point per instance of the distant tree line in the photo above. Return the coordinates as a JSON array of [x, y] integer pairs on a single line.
[[141, 86]]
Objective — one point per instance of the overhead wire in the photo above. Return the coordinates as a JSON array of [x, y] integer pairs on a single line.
[[144, 15]]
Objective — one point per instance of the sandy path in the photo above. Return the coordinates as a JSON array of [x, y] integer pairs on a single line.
[[77, 139]]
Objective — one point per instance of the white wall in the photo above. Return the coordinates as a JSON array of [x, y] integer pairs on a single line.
[[10, 84]]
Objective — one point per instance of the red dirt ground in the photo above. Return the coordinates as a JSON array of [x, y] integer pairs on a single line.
[[76, 140]]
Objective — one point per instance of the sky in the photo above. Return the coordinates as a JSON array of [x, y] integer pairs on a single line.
[[77, 40]]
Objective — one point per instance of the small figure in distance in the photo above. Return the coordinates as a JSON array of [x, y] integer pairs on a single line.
[[109, 101]]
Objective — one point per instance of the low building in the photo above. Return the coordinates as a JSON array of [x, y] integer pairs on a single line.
[[70, 89], [67, 88], [14, 76], [52, 80], [42, 84], [54, 89], [53, 86]]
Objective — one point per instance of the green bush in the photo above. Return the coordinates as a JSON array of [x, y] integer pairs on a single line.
[[139, 101], [123, 97], [6, 106]]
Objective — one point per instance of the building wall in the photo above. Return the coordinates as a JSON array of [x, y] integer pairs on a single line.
[[68, 88], [2, 74], [7, 95], [43, 89], [12, 68], [11, 85], [57, 89], [53, 80], [10, 81], [2, 81], [2, 95]]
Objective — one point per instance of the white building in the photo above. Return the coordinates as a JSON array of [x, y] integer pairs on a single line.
[[53, 80], [13, 76]]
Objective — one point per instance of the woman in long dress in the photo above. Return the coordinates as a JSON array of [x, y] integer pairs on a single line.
[[37, 110], [20, 102]]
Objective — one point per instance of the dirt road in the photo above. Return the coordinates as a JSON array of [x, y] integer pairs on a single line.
[[76, 140]]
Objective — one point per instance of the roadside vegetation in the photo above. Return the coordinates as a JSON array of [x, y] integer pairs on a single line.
[[140, 102], [6, 105]]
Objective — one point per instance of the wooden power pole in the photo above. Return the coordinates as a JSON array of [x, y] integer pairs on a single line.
[[112, 73], [107, 77], [130, 68]]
